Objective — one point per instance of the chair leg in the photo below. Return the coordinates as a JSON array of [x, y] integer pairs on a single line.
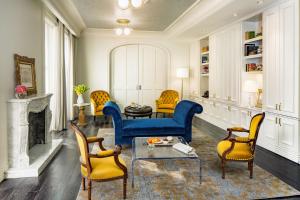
[[94, 118], [156, 114], [251, 169], [83, 183], [124, 187], [164, 115], [89, 189], [223, 169]]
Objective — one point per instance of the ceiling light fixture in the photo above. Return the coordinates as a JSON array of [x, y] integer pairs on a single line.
[[124, 29], [259, 2], [124, 4]]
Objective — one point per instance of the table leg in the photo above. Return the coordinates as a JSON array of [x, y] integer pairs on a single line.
[[200, 171], [81, 117], [132, 173]]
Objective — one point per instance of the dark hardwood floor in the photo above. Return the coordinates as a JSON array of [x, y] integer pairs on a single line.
[[61, 179]]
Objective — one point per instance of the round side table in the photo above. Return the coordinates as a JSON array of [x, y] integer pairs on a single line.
[[81, 116], [145, 111]]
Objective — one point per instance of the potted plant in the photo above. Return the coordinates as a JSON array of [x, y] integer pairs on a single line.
[[80, 90]]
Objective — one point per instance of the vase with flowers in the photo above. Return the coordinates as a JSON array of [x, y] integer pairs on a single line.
[[20, 91], [80, 90]]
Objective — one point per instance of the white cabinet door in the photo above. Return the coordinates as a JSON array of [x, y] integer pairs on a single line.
[[245, 118], [212, 66], [235, 63], [288, 70], [195, 68], [288, 138], [268, 135], [138, 65], [119, 80], [132, 74], [235, 119], [271, 58]]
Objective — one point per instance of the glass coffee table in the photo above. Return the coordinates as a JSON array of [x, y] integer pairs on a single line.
[[141, 151]]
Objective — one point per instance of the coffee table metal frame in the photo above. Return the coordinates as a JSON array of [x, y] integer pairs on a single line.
[[179, 155]]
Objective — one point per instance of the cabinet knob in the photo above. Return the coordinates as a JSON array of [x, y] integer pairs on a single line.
[[276, 107], [276, 120], [279, 107], [279, 121]]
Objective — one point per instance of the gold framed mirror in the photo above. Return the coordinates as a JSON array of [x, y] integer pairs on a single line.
[[25, 73]]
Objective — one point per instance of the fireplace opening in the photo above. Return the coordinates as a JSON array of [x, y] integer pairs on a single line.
[[37, 125]]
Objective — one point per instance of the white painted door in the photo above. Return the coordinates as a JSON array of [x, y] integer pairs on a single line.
[[139, 74], [288, 138], [271, 58], [118, 75], [288, 69], [268, 135]]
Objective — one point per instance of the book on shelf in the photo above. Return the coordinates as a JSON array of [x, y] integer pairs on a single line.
[[254, 67]]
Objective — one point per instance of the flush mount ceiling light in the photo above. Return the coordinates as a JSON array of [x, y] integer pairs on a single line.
[[123, 29], [124, 4], [260, 2]]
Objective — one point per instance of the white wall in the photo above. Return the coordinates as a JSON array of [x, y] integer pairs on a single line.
[[22, 33], [93, 56]]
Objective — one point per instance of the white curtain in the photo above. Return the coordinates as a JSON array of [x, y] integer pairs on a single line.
[[69, 73], [59, 75]]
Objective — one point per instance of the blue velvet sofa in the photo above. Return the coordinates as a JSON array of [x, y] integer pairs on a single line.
[[179, 125]]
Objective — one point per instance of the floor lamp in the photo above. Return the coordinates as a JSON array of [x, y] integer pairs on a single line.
[[182, 73]]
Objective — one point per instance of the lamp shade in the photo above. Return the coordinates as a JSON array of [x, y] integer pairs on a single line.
[[250, 86], [182, 72]]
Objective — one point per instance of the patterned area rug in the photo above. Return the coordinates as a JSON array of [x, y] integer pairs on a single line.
[[159, 180]]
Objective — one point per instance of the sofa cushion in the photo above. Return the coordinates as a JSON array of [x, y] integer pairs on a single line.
[[150, 127]]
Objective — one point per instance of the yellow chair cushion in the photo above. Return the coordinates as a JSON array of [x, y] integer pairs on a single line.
[[99, 108], [166, 106], [241, 151], [104, 168]]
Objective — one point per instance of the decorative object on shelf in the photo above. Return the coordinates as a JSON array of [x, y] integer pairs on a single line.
[[253, 67], [205, 70], [20, 91], [259, 98], [260, 49], [182, 73], [124, 4], [205, 49], [250, 86], [204, 59], [25, 73], [80, 90], [206, 94], [123, 29], [249, 35]]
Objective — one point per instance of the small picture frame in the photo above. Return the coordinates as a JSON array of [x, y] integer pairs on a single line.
[[25, 73]]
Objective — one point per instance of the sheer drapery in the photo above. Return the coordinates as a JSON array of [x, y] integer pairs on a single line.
[[69, 73], [59, 51]]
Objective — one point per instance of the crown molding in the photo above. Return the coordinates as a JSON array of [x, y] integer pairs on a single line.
[[199, 12], [67, 13], [135, 34]]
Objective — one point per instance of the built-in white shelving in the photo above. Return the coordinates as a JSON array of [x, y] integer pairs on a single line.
[[256, 39], [253, 56]]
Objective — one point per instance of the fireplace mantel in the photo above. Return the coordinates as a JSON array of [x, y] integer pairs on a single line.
[[22, 162]]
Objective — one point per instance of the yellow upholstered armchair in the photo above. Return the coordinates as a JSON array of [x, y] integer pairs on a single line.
[[240, 148], [98, 99], [105, 165], [167, 102]]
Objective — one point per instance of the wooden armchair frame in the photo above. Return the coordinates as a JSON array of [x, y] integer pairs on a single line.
[[115, 153], [251, 142]]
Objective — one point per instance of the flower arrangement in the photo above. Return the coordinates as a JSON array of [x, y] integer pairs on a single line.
[[81, 89], [20, 91]]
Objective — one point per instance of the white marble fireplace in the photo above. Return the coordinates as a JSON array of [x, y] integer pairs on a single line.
[[30, 143]]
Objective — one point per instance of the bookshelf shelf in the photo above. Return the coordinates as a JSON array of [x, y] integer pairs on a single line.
[[259, 38], [205, 53], [253, 56]]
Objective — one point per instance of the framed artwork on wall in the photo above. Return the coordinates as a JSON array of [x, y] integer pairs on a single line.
[[25, 73]]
